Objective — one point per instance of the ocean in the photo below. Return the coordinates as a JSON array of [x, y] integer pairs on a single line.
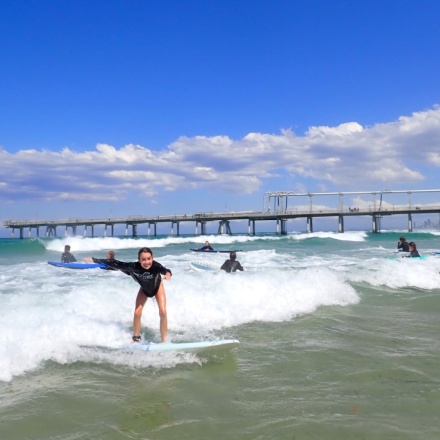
[[337, 341]]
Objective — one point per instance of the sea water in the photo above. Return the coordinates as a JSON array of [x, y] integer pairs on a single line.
[[337, 341]]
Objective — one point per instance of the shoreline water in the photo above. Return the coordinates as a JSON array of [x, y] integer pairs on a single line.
[[336, 341]]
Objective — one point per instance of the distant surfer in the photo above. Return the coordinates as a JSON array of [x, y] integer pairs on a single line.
[[148, 274], [111, 255], [232, 265], [413, 250], [206, 247], [66, 256], [402, 245]]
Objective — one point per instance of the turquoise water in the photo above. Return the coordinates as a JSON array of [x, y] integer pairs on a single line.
[[337, 341]]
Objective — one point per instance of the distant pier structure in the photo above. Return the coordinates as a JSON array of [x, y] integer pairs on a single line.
[[276, 209]]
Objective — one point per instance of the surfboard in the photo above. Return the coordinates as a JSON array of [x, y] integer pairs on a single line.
[[215, 251], [77, 265], [422, 257], [204, 266], [183, 346]]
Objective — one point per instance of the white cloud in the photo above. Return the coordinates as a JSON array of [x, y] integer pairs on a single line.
[[346, 156]]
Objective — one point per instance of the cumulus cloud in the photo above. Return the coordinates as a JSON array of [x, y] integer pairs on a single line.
[[345, 156]]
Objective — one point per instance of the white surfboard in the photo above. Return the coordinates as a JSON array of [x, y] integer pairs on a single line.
[[204, 266], [183, 346]]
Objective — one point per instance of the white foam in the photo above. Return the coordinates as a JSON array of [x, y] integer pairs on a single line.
[[52, 313]]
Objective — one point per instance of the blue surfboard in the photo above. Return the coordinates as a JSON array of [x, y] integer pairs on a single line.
[[77, 265], [183, 346]]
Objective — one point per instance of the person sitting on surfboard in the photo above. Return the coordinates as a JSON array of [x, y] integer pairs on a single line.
[[413, 250], [147, 272], [232, 265], [66, 256], [402, 245], [207, 247]]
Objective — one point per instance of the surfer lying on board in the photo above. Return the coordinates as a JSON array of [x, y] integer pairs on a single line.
[[232, 265], [207, 247], [147, 272]]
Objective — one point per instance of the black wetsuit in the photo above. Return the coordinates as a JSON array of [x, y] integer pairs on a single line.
[[148, 279], [67, 257], [231, 266], [208, 247], [414, 253], [403, 246]]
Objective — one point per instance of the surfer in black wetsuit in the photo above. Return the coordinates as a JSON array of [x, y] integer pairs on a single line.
[[110, 256], [403, 245], [148, 274], [232, 265], [413, 250], [66, 256], [207, 247]]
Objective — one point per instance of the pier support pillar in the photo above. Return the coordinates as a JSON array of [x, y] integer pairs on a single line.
[[177, 228], [410, 223], [224, 227], [51, 231], [202, 227], [251, 226], [134, 231], [154, 227], [309, 224], [283, 226], [375, 226], [341, 224]]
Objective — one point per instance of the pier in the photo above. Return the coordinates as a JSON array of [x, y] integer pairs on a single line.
[[276, 209]]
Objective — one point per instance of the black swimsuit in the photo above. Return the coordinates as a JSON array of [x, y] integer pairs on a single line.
[[148, 279]]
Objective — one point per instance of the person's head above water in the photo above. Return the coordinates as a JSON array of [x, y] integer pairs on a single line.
[[111, 255], [232, 255]]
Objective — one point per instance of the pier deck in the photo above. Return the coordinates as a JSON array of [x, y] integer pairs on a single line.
[[280, 217]]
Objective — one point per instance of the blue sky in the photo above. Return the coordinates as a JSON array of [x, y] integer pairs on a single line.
[[119, 108]]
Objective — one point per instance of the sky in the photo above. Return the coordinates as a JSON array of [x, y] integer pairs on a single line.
[[141, 107]]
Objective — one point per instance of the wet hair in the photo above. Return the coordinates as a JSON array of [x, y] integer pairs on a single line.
[[144, 250], [232, 255], [403, 238], [67, 248], [111, 254], [413, 245]]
